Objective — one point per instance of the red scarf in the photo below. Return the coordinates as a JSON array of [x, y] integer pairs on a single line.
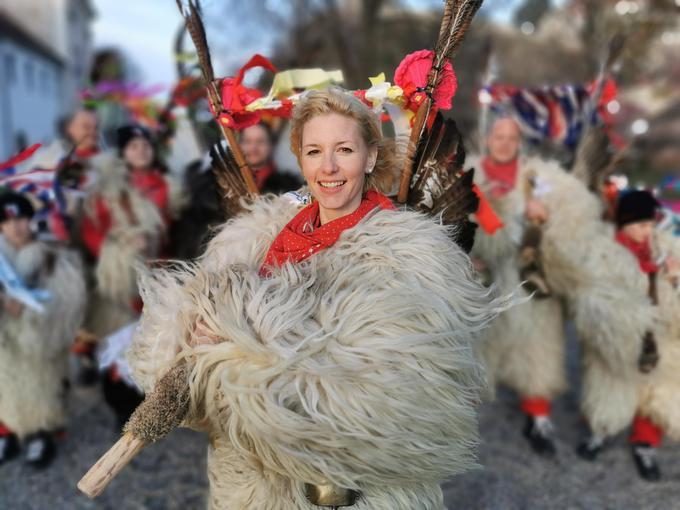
[[643, 252], [502, 176], [152, 185], [86, 153], [304, 235], [262, 174]]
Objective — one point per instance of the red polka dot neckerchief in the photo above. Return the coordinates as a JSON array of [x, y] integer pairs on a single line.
[[304, 235]]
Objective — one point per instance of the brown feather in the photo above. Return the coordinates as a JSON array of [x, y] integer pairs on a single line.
[[231, 177], [456, 20], [440, 186], [451, 34], [593, 157], [228, 176]]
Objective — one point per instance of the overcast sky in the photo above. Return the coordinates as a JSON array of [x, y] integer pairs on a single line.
[[146, 37]]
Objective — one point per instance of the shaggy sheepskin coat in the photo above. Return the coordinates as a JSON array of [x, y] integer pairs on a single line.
[[34, 347], [592, 281], [659, 391], [355, 367], [115, 285], [524, 347]]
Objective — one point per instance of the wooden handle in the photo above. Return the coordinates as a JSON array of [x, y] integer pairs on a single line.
[[411, 149], [109, 465]]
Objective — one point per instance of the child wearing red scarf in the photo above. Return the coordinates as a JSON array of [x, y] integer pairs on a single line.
[[636, 220]]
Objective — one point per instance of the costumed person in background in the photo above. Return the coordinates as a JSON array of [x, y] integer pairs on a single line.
[[653, 257], [119, 229], [146, 175], [43, 299], [73, 155], [257, 144], [554, 239], [205, 210], [80, 134], [329, 343], [524, 348]]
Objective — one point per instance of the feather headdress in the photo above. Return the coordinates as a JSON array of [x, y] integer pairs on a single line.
[[432, 178], [235, 178]]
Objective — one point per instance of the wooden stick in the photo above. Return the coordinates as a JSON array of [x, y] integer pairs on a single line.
[[162, 410], [109, 465], [416, 132]]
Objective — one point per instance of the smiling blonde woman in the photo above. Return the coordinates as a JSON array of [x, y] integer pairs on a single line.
[[335, 347]]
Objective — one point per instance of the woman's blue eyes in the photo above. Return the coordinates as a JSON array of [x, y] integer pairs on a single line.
[[346, 150]]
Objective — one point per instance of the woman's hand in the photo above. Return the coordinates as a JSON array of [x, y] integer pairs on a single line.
[[672, 264], [536, 211]]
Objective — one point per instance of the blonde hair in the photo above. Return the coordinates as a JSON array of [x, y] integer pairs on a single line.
[[334, 100]]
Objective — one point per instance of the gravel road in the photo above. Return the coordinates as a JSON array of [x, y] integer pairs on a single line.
[[171, 474]]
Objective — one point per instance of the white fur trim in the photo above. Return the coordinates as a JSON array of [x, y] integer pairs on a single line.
[[356, 366]]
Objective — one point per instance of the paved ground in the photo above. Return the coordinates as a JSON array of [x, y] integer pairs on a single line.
[[171, 475]]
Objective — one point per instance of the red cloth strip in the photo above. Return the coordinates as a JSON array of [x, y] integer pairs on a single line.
[[486, 216], [642, 251], [22, 156], [4, 431], [536, 406], [645, 431]]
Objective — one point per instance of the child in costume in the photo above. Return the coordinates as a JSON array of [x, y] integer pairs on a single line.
[[43, 301], [654, 388], [332, 343]]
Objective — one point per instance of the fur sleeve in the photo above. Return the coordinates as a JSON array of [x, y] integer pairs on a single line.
[[170, 306], [49, 333], [596, 275], [503, 244], [246, 238], [356, 366]]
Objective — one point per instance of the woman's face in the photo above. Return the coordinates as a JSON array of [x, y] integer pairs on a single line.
[[138, 153], [640, 232], [17, 232], [334, 160]]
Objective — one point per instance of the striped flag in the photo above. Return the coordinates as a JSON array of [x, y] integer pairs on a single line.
[[556, 113]]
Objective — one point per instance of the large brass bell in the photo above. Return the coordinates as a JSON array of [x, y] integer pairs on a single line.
[[330, 496]]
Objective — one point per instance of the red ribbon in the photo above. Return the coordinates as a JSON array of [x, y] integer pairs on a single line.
[[235, 96], [22, 156], [486, 216]]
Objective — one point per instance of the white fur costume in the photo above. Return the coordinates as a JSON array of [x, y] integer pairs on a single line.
[[115, 275], [589, 272], [34, 347], [659, 391], [354, 367], [524, 347]]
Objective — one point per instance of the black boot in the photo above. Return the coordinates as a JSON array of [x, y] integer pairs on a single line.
[[9, 447], [88, 373], [40, 449], [539, 432], [645, 460], [590, 448]]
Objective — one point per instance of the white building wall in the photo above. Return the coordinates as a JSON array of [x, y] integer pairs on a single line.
[[30, 97], [64, 26]]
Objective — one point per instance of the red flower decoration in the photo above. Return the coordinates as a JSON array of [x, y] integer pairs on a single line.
[[411, 75], [235, 97]]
